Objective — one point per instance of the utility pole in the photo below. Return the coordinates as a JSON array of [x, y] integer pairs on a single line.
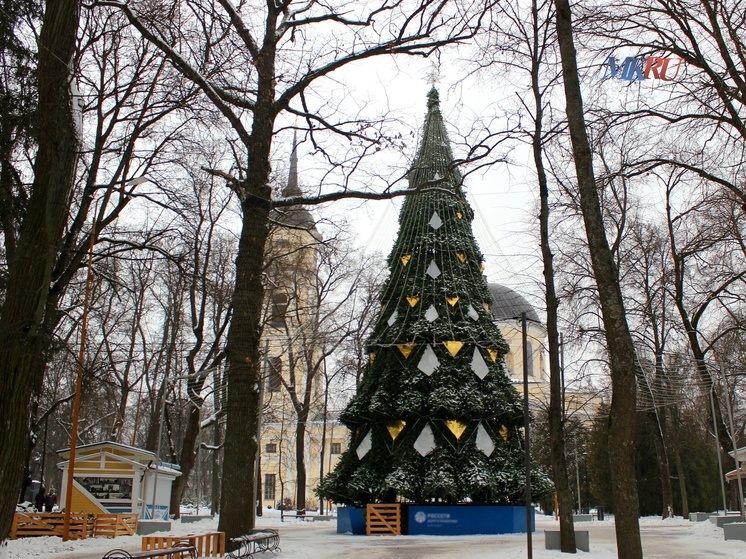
[[78, 384], [577, 476]]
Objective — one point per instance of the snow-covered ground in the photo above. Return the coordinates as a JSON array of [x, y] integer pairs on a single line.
[[669, 539]]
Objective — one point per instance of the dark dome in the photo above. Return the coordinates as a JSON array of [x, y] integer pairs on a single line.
[[507, 304]]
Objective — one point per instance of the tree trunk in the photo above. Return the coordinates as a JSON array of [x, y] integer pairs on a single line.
[[691, 327], [244, 374], [244, 359], [22, 319], [680, 473], [322, 449], [715, 412], [657, 420], [556, 401], [300, 460], [664, 470], [216, 470], [187, 458], [154, 424], [243, 356], [619, 341]]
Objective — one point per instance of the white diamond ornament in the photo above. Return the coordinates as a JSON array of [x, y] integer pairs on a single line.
[[478, 365], [435, 221], [432, 270], [472, 313], [484, 441], [365, 445], [425, 443], [429, 361], [431, 314], [393, 317]]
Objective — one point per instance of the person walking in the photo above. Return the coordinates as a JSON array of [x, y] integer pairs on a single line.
[[50, 500], [39, 499]]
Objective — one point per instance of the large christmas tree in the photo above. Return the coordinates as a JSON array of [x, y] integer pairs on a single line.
[[436, 417]]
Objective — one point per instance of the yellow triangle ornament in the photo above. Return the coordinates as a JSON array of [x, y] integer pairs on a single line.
[[461, 256], [405, 259], [459, 215], [395, 428], [504, 432], [413, 300], [405, 349], [493, 354], [372, 356], [452, 300], [456, 427], [453, 347]]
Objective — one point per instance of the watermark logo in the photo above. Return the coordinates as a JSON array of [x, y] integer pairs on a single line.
[[632, 68]]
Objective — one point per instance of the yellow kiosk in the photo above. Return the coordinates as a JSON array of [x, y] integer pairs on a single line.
[[116, 478]]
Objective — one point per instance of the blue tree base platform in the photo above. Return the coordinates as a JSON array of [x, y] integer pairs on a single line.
[[445, 520]]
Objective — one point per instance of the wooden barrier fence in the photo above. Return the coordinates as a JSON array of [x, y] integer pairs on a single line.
[[28, 524], [113, 525], [383, 519], [211, 544]]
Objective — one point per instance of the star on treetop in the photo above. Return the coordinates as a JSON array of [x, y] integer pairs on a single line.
[[433, 76]]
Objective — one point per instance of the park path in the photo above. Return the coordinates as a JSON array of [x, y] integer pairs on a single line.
[[676, 539]]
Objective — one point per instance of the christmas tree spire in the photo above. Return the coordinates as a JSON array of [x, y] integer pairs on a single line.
[[435, 416], [434, 164]]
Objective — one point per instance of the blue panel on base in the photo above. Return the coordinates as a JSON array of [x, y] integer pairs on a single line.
[[460, 520], [351, 520]]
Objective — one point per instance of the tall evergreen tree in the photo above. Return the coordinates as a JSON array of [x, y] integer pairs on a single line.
[[436, 417]]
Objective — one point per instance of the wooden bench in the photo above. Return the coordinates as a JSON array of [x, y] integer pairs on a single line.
[[258, 541], [299, 514], [179, 550]]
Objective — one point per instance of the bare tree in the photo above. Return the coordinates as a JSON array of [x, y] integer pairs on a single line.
[[254, 63], [646, 273], [36, 244], [704, 81], [46, 233], [208, 269], [523, 42], [620, 345], [708, 276]]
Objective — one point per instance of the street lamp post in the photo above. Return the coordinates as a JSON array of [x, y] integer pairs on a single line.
[[527, 444], [717, 447], [158, 447], [735, 445]]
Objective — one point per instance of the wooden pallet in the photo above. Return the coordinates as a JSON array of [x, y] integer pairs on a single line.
[[383, 520], [113, 525], [29, 524], [211, 544]]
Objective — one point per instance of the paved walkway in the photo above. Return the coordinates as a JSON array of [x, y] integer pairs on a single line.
[[676, 539]]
